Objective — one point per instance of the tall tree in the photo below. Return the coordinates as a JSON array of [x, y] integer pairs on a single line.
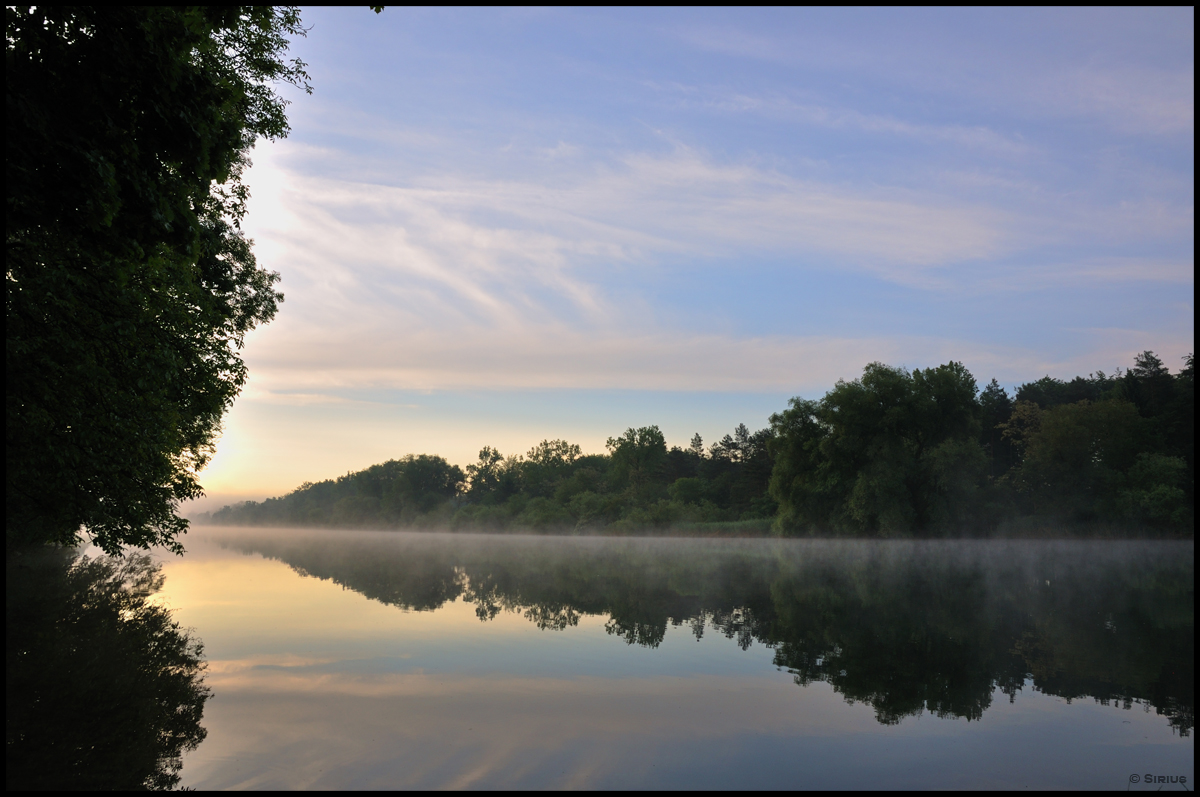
[[995, 409], [547, 465], [891, 453], [1148, 384], [1074, 454], [638, 455], [129, 284]]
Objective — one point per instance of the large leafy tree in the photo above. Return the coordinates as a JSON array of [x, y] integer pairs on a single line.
[[995, 408], [129, 285], [891, 453], [638, 455], [103, 689]]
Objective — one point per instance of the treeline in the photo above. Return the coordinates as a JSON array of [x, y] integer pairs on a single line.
[[894, 453]]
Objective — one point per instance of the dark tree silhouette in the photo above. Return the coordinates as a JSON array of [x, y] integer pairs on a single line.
[[103, 690]]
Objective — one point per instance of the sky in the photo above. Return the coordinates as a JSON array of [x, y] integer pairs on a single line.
[[495, 227]]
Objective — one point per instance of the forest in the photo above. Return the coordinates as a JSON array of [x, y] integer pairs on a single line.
[[894, 453]]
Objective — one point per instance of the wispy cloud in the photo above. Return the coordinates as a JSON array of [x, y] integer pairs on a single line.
[[1132, 99], [468, 283], [979, 137], [631, 210], [561, 357], [1116, 85], [518, 284], [1113, 269]]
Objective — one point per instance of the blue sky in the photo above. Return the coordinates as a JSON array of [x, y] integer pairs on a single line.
[[499, 226]]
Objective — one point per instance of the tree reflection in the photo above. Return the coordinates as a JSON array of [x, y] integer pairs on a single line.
[[103, 689], [904, 627]]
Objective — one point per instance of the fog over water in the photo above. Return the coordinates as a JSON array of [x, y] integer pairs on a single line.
[[390, 659]]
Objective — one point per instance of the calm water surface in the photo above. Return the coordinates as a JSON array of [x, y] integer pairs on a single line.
[[392, 660]]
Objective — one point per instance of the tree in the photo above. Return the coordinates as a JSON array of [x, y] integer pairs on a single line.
[[421, 483], [485, 475], [1148, 384], [638, 455], [547, 465], [891, 453], [1073, 454], [103, 688], [1179, 423], [995, 409], [800, 481], [130, 286]]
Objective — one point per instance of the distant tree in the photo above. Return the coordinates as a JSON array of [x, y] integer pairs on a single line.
[[638, 455], [741, 439], [554, 454], [1179, 423], [726, 449], [1023, 422], [129, 284], [809, 494], [1148, 384], [891, 453], [1151, 493], [737, 472], [751, 490], [484, 475], [1049, 392], [547, 465], [422, 482], [697, 445], [1115, 449], [687, 490], [1073, 455], [494, 477], [681, 463], [995, 409]]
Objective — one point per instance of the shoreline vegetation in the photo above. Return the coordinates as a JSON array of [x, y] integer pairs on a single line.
[[893, 454]]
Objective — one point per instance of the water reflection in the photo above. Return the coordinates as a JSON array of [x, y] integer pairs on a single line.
[[102, 689], [906, 628]]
